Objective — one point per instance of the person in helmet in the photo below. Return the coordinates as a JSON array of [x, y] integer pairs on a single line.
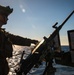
[[8, 39]]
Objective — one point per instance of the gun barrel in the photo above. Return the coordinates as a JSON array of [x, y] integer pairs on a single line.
[[67, 18], [58, 28]]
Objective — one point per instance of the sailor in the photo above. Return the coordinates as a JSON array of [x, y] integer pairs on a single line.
[[8, 39]]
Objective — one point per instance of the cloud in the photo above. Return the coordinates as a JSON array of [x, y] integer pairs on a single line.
[[22, 8]]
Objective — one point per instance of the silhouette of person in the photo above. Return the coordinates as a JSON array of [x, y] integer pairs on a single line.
[[7, 40]]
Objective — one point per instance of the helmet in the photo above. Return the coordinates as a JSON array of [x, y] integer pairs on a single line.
[[5, 10]]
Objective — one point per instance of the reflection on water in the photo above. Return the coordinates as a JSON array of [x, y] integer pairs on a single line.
[[60, 70]]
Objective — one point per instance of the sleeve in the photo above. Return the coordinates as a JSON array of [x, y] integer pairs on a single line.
[[18, 40]]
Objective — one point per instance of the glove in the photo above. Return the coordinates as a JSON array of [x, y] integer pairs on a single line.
[[34, 41]]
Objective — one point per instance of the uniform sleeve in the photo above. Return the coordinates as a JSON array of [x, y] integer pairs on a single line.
[[18, 40]]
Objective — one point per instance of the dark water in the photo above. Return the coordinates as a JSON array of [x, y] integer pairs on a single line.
[[60, 69], [65, 48], [64, 70]]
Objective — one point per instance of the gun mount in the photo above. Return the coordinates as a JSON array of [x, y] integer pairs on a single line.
[[40, 51]]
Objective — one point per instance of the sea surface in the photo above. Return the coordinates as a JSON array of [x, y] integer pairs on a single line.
[[14, 61]]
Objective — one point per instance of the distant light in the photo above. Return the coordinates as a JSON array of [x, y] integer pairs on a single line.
[[22, 8]]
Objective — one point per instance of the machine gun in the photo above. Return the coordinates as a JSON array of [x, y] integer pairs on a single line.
[[39, 52]]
